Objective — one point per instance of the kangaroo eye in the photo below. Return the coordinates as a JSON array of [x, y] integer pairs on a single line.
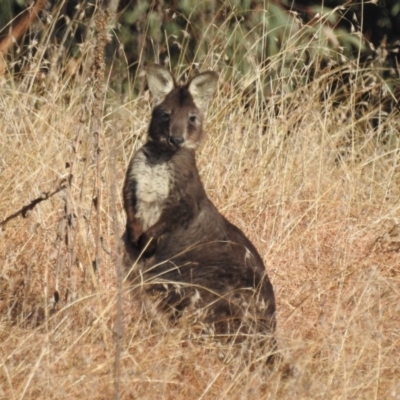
[[165, 116], [192, 119]]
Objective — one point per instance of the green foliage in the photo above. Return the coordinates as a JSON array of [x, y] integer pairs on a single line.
[[6, 13], [266, 49], [244, 34]]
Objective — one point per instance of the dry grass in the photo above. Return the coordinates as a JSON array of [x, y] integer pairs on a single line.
[[323, 225]]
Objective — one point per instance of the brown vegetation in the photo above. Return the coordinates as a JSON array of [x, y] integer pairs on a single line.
[[326, 226], [17, 30]]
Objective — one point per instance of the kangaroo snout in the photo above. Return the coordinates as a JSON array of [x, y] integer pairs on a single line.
[[176, 141]]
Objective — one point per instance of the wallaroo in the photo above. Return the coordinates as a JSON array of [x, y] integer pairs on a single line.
[[191, 262]]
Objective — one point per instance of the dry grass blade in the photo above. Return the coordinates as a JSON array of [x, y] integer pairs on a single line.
[[313, 184], [98, 81]]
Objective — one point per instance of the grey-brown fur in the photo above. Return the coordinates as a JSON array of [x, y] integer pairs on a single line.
[[197, 263]]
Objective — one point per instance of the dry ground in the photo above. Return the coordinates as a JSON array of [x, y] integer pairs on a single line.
[[326, 226]]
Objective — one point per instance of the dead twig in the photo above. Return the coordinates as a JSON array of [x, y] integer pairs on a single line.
[[118, 327], [17, 29], [98, 68], [44, 196]]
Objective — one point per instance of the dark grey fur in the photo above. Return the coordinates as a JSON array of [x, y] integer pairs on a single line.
[[197, 263]]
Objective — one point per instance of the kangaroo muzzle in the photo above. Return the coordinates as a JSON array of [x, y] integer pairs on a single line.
[[176, 141]]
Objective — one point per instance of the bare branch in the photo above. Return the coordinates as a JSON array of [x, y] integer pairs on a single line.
[[44, 196]]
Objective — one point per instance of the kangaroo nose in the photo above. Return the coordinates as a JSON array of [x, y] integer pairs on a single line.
[[177, 141]]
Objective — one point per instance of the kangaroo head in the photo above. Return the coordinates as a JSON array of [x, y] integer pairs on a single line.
[[177, 116]]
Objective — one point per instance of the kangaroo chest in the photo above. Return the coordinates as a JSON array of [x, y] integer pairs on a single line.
[[153, 183]]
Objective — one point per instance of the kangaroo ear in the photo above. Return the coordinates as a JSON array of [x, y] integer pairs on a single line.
[[160, 82], [202, 87]]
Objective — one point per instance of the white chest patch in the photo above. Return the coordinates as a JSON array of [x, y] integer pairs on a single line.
[[152, 189]]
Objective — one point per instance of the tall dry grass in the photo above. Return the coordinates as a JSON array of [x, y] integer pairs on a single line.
[[314, 186]]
